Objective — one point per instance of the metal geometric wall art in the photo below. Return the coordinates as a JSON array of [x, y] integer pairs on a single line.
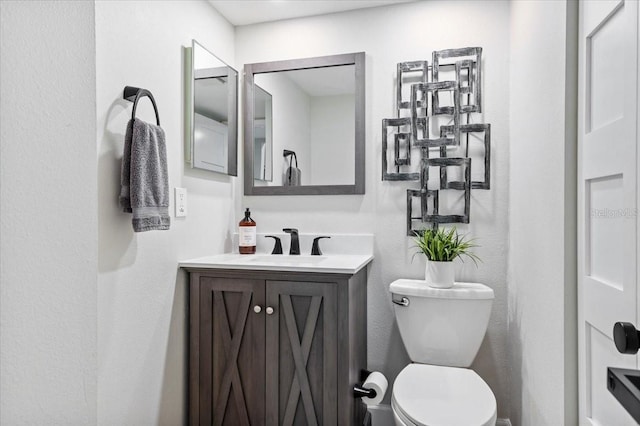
[[421, 117], [400, 131], [435, 135], [467, 72]]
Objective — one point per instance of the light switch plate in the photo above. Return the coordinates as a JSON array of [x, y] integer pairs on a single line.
[[181, 202]]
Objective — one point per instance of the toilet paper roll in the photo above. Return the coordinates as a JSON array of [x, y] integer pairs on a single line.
[[377, 382]]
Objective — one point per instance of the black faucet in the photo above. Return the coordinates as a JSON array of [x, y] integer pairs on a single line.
[[294, 248]]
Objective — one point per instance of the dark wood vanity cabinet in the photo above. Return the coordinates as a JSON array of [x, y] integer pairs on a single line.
[[276, 348]]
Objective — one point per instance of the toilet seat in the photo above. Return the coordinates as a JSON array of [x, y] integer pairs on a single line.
[[430, 395]]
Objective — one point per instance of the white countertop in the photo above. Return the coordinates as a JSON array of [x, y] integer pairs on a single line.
[[329, 264]]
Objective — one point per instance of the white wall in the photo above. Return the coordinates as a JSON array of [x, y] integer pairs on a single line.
[[542, 322], [48, 213], [141, 295], [331, 140], [390, 35]]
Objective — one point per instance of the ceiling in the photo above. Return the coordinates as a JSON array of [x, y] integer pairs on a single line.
[[325, 81], [245, 12]]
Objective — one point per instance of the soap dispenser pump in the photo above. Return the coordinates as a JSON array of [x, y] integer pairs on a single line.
[[247, 234]]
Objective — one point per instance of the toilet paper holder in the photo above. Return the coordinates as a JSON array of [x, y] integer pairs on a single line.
[[359, 391]]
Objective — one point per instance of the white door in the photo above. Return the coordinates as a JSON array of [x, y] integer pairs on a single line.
[[210, 145], [607, 199]]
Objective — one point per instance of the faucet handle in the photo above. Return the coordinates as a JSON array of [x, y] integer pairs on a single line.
[[290, 230], [315, 249], [277, 247]]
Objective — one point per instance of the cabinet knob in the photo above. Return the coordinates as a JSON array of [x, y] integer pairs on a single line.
[[257, 309], [269, 310]]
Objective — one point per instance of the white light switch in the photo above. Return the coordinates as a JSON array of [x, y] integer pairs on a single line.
[[181, 202]]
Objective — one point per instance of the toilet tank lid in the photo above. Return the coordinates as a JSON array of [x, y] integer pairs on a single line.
[[459, 290]]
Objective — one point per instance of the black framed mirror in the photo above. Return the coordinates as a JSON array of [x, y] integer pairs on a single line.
[[304, 126], [211, 108]]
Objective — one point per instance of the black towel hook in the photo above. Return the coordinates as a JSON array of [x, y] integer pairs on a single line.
[[288, 153], [133, 94]]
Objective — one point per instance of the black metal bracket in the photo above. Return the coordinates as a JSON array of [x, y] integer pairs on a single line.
[[364, 374], [359, 391], [288, 153], [623, 385], [291, 154], [133, 94]]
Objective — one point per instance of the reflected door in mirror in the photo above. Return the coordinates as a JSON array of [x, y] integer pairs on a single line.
[[262, 135]]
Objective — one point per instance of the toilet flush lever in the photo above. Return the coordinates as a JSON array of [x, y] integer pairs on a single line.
[[402, 302]]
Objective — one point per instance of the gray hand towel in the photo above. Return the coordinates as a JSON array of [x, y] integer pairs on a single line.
[[144, 180], [292, 176]]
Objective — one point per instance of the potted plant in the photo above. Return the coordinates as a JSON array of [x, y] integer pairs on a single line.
[[441, 247]]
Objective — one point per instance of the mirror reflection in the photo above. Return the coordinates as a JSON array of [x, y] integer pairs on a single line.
[[314, 118], [262, 135], [304, 123], [213, 118]]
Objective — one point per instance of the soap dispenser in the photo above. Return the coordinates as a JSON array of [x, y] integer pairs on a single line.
[[247, 234]]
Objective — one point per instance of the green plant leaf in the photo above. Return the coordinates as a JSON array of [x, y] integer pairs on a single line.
[[444, 245]]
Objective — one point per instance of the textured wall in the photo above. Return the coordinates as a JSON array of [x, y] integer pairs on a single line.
[[542, 218], [48, 213], [390, 35], [141, 294]]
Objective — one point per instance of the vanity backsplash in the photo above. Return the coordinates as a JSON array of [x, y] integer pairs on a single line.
[[337, 244]]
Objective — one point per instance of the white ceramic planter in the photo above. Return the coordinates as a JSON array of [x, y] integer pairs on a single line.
[[439, 274]]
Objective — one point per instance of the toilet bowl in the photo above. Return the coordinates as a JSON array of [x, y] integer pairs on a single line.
[[429, 395], [442, 330]]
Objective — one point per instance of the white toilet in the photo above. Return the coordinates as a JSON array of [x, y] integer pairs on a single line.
[[442, 330]]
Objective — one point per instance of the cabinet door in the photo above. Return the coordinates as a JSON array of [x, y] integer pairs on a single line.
[[232, 360], [301, 350]]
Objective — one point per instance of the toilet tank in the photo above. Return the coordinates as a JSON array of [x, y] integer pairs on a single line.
[[442, 326]]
